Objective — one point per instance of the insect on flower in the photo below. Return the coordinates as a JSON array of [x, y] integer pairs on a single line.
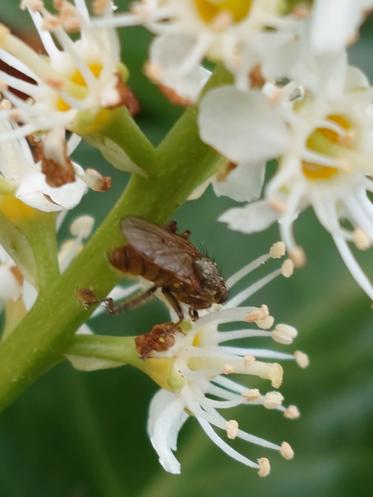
[[159, 339], [172, 263]]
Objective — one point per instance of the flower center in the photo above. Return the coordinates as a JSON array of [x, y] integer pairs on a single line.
[[78, 79], [210, 9], [323, 141], [15, 210]]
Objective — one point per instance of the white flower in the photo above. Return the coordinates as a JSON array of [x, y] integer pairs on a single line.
[[335, 23], [73, 82], [202, 362], [234, 32], [52, 182], [323, 137]]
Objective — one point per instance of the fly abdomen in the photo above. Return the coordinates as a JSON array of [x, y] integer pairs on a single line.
[[127, 260]]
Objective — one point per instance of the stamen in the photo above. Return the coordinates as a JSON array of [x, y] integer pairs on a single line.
[[273, 400], [286, 451], [298, 256], [249, 360], [232, 429], [292, 412], [287, 268], [251, 395], [277, 250], [361, 239], [284, 334], [302, 359], [228, 369], [95, 181], [264, 467]]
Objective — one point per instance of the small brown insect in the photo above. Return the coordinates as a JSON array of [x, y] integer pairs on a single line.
[[172, 263], [159, 339]]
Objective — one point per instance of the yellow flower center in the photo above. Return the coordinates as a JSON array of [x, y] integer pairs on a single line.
[[210, 9], [15, 210], [78, 79], [314, 171]]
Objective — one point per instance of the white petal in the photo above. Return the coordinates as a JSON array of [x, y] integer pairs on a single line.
[[166, 418], [355, 79], [243, 126], [167, 54], [243, 184], [251, 218], [33, 190], [335, 22], [29, 294], [9, 286]]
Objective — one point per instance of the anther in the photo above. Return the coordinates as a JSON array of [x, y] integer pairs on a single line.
[[252, 394], [286, 451], [99, 6], [302, 359], [96, 181], [361, 239], [284, 334], [232, 429], [4, 32], [228, 369], [264, 467], [298, 256], [265, 324], [276, 375], [277, 250], [292, 412], [278, 206], [273, 400], [249, 360], [33, 5], [287, 268]]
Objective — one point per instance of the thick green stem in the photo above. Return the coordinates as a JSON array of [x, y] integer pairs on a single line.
[[45, 333]]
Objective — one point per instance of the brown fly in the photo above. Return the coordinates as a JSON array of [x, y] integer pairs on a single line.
[[159, 339], [172, 263]]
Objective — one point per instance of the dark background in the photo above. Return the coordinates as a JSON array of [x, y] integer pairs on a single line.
[[83, 435]]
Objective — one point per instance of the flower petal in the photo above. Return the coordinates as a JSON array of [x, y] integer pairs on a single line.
[[244, 183], [251, 218], [34, 190], [243, 126], [166, 418]]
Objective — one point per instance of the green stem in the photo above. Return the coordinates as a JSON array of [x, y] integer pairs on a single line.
[[116, 349], [41, 235], [45, 333], [135, 153]]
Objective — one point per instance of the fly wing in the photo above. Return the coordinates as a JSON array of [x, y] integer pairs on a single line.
[[165, 249]]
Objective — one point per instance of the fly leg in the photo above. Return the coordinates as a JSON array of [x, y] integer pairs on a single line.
[[172, 228], [118, 307], [88, 298], [175, 304]]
